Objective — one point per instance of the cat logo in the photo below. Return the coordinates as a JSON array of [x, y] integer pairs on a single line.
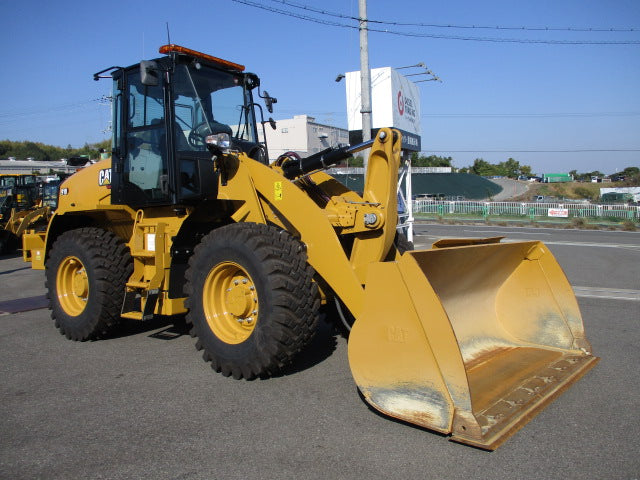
[[104, 177]]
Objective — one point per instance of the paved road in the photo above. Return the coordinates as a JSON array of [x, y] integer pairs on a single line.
[[510, 189], [590, 258], [144, 405]]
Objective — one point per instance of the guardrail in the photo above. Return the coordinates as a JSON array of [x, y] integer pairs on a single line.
[[528, 210]]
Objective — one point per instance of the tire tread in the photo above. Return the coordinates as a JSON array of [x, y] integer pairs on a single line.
[[111, 263], [293, 321]]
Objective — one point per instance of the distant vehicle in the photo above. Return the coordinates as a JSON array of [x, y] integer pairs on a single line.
[[79, 161], [430, 196], [546, 199], [556, 178]]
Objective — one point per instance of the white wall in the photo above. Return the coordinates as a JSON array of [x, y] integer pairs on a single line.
[[302, 135]]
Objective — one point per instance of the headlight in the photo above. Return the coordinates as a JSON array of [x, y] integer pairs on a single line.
[[220, 140]]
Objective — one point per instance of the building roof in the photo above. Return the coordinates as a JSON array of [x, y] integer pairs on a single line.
[[30, 166]]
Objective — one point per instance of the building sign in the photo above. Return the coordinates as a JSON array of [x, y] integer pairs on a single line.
[[395, 103], [558, 212], [409, 140]]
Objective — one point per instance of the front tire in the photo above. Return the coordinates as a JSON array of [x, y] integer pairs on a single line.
[[86, 274], [252, 301], [8, 242], [402, 243]]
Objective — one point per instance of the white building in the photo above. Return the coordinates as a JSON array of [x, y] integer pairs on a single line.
[[303, 135], [17, 167]]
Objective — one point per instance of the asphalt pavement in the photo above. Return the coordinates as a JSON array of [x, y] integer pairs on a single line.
[[510, 189], [143, 404]]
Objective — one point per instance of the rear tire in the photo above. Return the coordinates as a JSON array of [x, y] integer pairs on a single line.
[[86, 274], [252, 302]]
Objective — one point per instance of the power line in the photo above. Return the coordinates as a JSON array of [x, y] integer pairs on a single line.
[[56, 108], [531, 115], [436, 36], [437, 25], [485, 115], [585, 150]]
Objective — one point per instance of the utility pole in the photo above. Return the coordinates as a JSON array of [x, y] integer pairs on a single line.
[[365, 77]]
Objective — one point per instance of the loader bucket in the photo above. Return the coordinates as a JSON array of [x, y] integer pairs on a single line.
[[468, 339]]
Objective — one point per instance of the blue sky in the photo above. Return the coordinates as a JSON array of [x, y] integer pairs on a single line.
[[532, 102]]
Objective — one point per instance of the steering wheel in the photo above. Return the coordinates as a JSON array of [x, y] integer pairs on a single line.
[[197, 135]]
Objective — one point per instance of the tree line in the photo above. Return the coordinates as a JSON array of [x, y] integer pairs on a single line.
[[41, 152], [628, 174], [510, 168]]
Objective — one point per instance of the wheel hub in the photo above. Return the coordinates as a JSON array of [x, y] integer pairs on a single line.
[[230, 302], [239, 300], [72, 285], [80, 284]]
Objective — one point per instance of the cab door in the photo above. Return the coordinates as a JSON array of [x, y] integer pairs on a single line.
[[140, 160]]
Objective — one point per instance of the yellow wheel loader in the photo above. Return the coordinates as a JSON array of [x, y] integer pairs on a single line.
[[21, 208], [470, 338]]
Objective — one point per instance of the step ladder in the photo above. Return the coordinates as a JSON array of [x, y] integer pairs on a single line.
[[148, 242]]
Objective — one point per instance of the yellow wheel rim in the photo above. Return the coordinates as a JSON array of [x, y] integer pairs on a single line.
[[230, 302], [72, 286]]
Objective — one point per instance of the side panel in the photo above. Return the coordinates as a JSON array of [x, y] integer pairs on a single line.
[[33, 249]]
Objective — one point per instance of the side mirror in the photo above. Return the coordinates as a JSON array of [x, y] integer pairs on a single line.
[[149, 74], [272, 122], [269, 101]]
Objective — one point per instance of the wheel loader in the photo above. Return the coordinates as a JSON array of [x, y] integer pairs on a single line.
[[470, 338], [20, 208]]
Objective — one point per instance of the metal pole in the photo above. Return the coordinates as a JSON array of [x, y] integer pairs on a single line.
[[365, 76], [409, 201]]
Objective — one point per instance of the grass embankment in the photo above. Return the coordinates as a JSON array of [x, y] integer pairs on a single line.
[[570, 190]]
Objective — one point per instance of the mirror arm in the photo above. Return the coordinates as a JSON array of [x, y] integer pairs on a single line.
[[98, 75], [268, 99]]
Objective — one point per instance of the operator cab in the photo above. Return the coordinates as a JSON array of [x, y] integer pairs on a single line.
[[163, 112]]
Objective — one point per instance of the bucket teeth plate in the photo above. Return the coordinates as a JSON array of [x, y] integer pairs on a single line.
[[528, 390]]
